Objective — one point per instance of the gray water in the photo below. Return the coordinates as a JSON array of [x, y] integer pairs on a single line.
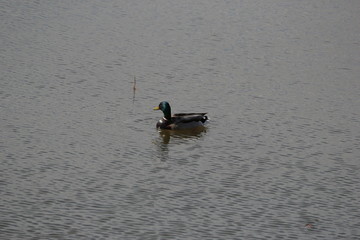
[[80, 155]]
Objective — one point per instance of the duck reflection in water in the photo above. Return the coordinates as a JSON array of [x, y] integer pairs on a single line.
[[167, 138], [181, 135]]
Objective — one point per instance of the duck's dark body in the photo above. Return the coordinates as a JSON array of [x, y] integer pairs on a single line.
[[179, 120], [182, 121]]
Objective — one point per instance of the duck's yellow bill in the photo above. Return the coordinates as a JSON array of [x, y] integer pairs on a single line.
[[156, 108]]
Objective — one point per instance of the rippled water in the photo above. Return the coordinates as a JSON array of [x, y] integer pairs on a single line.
[[80, 155]]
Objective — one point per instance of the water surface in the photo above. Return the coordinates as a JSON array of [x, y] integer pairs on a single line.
[[80, 155]]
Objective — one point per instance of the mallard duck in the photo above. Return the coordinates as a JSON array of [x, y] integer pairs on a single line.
[[179, 120]]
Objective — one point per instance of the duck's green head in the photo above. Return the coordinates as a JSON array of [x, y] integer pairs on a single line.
[[165, 108]]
